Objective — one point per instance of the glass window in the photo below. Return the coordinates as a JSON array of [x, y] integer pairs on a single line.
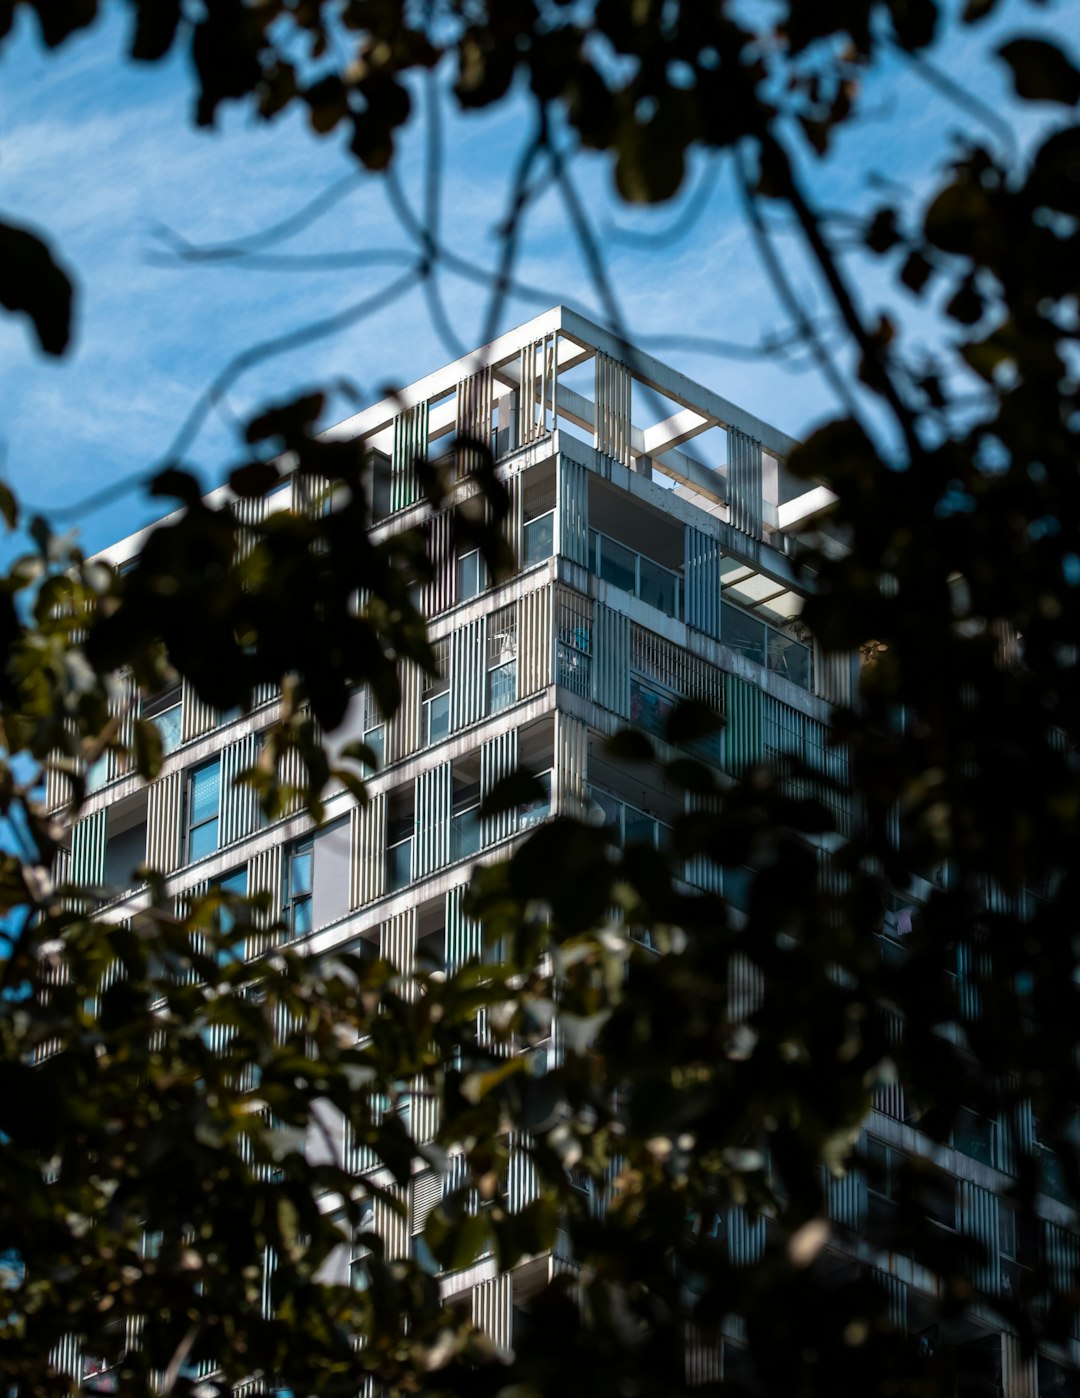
[[399, 843], [375, 738], [539, 539], [204, 795], [232, 922], [437, 716], [973, 1134], [502, 686], [470, 575], [436, 697], [299, 884], [165, 712], [539, 808], [465, 822], [97, 773], [423, 1256], [502, 659], [882, 1188]]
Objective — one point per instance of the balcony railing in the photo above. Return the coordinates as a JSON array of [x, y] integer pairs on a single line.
[[765, 645], [632, 572], [627, 824]]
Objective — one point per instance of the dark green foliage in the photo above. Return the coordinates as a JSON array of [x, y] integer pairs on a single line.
[[691, 1103]]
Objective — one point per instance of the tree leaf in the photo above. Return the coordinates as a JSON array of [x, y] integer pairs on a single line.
[[1041, 72], [31, 282]]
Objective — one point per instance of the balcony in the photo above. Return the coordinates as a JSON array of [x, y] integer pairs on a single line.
[[628, 825], [766, 645], [635, 573]]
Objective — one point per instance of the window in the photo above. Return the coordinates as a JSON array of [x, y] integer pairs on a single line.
[[934, 1191], [897, 921], [125, 852], [427, 1187], [165, 712], [299, 883], [380, 485], [316, 880], [883, 1183], [97, 773], [1019, 1249], [436, 697], [538, 514], [536, 810], [203, 809], [471, 575], [538, 541], [465, 817], [400, 822], [232, 922], [502, 659], [358, 1265], [973, 1134], [573, 654]]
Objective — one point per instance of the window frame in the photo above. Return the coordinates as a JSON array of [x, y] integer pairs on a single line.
[[190, 825]]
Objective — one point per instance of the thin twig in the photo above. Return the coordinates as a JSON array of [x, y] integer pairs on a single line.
[[949, 88], [267, 237], [511, 229], [875, 360], [783, 288], [237, 366]]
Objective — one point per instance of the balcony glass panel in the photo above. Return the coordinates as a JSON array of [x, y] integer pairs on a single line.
[[502, 686], [168, 724], [634, 573], [742, 632], [638, 828], [399, 866], [659, 587], [437, 716], [538, 542], [617, 565], [539, 808], [376, 741], [649, 708], [465, 834], [790, 658]]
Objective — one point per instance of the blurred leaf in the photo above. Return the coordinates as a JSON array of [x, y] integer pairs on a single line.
[[1041, 72], [32, 283]]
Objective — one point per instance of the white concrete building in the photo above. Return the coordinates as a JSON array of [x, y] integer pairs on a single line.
[[652, 521]]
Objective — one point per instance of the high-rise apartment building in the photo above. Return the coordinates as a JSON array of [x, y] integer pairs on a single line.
[[652, 521]]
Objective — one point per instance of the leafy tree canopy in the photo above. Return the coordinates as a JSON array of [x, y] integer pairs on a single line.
[[156, 1150]]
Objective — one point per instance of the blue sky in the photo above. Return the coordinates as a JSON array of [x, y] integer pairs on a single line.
[[99, 154]]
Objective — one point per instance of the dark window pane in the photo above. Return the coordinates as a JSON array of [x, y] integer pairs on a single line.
[[438, 717], [617, 565]]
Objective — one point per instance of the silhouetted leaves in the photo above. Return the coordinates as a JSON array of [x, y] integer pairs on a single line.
[[1041, 72], [31, 282]]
